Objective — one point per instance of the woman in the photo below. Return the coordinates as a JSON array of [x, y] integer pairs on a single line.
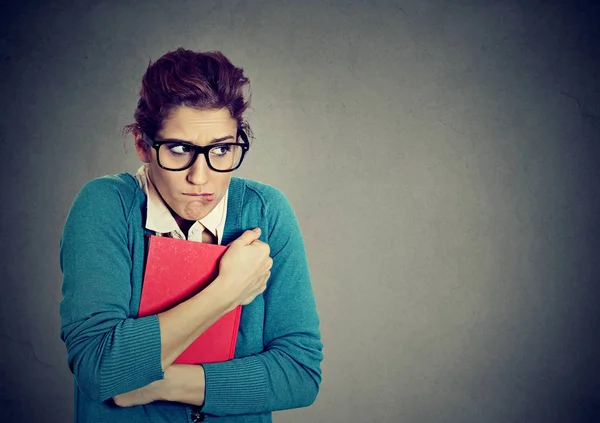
[[190, 134]]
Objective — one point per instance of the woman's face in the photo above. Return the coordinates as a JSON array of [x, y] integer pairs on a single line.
[[192, 193]]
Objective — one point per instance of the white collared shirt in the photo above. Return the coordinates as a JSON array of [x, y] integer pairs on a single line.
[[160, 220]]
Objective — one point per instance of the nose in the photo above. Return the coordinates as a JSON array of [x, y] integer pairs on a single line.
[[199, 172]]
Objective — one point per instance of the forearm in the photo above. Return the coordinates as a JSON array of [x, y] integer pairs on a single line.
[[181, 325], [279, 378], [100, 347], [177, 329], [182, 383]]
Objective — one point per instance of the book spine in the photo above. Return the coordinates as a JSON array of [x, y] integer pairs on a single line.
[[236, 326]]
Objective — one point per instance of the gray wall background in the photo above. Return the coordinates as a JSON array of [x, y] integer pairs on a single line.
[[441, 158]]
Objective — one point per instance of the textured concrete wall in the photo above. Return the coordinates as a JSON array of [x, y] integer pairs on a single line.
[[441, 158]]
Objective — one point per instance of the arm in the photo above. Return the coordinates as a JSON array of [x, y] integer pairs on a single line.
[[182, 383], [287, 374], [110, 352], [95, 327], [243, 273]]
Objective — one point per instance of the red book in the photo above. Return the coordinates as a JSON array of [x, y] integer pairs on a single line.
[[175, 271]]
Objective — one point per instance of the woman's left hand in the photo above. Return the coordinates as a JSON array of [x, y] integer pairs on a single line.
[[182, 383], [141, 396]]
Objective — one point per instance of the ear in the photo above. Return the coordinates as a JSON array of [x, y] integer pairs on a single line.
[[143, 150]]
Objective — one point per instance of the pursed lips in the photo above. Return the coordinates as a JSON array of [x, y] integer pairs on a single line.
[[208, 197]]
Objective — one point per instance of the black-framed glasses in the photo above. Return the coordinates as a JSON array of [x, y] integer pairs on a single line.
[[177, 155]]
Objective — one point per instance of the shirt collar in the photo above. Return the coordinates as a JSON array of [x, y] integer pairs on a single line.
[[158, 216]]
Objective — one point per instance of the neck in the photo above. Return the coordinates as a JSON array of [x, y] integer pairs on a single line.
[[183, 224]]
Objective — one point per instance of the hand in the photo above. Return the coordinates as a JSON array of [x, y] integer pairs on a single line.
[[145, 395], [185, 383], [182, 383], [245, 268]]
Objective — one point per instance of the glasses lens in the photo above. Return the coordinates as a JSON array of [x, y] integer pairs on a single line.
[[226, 156], [174, 155]]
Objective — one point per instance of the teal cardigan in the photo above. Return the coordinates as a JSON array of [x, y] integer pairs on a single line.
[[112, 351]]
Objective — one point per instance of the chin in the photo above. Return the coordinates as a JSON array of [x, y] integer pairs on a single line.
[[195, 216]]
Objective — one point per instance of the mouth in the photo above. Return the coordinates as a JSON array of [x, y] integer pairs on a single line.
[[208, 197]]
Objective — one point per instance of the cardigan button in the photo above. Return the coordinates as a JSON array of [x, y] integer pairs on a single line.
[[197, 416]]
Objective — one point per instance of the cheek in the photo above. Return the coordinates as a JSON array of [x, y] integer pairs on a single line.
[[222, 181], [166, 182]]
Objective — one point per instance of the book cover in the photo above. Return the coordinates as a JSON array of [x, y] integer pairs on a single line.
[[175, 271]]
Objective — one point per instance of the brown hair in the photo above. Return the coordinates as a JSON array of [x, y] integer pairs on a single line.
[[187, 78]]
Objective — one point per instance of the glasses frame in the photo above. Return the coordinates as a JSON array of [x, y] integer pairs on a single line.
[[199, 149]]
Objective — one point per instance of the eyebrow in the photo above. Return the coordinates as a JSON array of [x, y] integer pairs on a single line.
[[214, 141]]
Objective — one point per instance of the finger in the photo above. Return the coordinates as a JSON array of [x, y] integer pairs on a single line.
[[262, 245], [268, 264], [261, 282], [263, 287], [248, 237]]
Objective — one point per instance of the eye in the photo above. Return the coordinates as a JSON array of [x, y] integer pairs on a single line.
[[175, 148], [220, 150]]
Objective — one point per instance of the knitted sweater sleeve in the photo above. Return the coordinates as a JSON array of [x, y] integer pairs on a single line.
[[287, 373], [109, 352]]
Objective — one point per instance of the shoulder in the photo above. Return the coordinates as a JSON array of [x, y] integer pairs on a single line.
[[274, 210], [259, 194], [109, 192], [124, 183]]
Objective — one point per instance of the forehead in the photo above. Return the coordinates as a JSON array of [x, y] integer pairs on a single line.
[[190, 124]]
